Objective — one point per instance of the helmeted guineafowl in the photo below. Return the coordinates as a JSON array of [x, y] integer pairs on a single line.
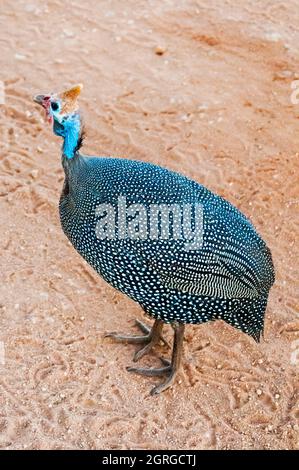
[[183, 253]]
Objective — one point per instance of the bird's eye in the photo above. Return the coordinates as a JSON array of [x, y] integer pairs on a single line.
[[54, 106]]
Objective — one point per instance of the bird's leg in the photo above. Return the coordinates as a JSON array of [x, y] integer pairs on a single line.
[[154, 337], [170, 368], [150, 339]]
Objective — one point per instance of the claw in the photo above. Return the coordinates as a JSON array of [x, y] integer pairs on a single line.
[[163, 386]]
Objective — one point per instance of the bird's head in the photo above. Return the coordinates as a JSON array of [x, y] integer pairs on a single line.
[[60, 106], [63, 111]]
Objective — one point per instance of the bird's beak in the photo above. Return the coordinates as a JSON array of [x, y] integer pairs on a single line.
[[44, 101], [39, 99]]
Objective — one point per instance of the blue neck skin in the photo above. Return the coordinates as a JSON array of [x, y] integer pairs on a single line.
[[69, 129]]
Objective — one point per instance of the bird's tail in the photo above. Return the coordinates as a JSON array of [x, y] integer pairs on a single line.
[[249, 316]]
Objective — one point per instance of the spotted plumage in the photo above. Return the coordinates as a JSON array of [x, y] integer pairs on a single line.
[[228, 277]]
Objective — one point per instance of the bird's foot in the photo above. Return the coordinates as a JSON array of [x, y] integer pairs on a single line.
[[170, 368], [150, 339], [156, 372]]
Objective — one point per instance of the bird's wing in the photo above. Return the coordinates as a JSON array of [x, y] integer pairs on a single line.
[[229, 266], [210, 275]]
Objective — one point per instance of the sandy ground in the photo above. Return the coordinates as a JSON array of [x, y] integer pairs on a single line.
[[216, 106]]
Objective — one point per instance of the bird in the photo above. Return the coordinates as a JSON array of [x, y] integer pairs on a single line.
[[183, 253]]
